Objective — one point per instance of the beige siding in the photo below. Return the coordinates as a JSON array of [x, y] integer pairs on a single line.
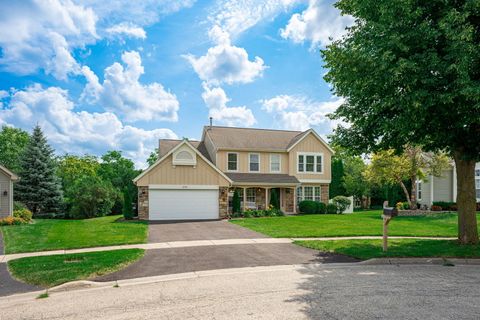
[[243, 161], [5, 185], [311, 144], [165, 173]]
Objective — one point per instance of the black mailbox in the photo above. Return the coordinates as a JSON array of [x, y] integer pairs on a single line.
[[390, 212]]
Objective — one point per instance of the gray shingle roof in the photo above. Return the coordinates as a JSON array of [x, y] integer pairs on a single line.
[[263, 178], [252, 139]]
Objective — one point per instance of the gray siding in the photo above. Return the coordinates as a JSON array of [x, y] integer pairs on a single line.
[[5, 185], [425, 200], [443, 187]]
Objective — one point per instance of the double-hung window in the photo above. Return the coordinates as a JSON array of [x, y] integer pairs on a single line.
[[251, 195], [419, 190], [310, 162], [254, 162], [309, 193], [232, 162], [274, 162]]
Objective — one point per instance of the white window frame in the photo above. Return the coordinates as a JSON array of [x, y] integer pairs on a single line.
[[238, 161], [419, 190], [301, 193], [315, 163], [249, 197], [259, 162], [279, 163]]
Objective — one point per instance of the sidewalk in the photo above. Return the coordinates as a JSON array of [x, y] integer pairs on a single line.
[[196, 243]]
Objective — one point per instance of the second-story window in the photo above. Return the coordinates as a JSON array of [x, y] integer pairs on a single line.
[[254, 162], [274, 163], [232, 164], [310, 162]]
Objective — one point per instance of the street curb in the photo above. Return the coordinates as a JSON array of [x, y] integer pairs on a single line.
[[420, 261]]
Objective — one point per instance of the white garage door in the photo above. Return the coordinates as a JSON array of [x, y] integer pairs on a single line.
[[183, 204]]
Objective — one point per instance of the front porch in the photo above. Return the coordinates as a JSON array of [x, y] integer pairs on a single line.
[[259, 197]]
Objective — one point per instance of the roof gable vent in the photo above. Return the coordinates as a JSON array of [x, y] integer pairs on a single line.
[[184, 156]]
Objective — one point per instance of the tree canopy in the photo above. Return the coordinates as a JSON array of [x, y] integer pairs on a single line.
[[12, 144], [409, 71]]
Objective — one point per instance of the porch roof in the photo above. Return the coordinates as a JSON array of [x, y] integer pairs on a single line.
[[264, 179]]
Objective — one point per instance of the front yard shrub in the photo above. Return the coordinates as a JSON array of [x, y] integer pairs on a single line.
[[236, 202], [127, 205], [445, 205], [321, 208], [12, 221], [332, 208], [24, 214], [248, 214], [435, 208], [342, 203], [308, 207]]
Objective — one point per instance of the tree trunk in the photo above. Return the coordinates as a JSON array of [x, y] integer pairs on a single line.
[[413, 193], [466, 200], [407, 195]]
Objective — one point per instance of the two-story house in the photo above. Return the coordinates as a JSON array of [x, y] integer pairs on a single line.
[[196, 179]]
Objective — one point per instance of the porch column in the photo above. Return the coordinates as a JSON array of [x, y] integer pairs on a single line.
[[266, 197], [294, 200], [244, 199]]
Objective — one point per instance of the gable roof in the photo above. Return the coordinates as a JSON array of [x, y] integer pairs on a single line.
[[182, 142], [257, 139], [165, 145], [9, 173]]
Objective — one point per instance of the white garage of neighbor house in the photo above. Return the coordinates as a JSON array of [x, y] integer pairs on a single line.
[[6, 191], [182, 185]]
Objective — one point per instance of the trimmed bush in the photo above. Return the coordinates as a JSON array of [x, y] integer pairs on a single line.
[[248, 214], [12, 221], [342, 203], [236, 202], [17, 205], [332, 208], [127, 205], [24, 214], [445, 205], [321, 208], [308, 207], [435, 208]]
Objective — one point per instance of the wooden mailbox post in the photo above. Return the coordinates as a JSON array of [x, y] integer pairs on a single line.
[[388, 214]]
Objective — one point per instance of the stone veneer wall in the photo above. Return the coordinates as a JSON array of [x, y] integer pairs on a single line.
[[143, 203], [289, 195], [324, 196], [223, 202]]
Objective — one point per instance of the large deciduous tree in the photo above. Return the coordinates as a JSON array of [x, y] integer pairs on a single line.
[[12, 144], [39, 187], [409, 71]]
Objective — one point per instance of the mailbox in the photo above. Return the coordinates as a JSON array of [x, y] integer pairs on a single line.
[[390, 212]]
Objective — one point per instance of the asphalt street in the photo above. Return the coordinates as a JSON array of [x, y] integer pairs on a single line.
[[343, 291]]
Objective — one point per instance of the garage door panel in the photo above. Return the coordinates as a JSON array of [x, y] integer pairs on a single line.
[[183, 204]]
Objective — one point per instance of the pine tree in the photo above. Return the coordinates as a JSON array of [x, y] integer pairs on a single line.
[[274, 199], [236, 202], [39, 187]]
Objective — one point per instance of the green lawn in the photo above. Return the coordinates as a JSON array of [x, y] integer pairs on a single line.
[[367, 249], [48, 271], [51, 234], [367, 223]]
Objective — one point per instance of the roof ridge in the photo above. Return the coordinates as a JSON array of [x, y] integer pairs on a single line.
[[245, 128]]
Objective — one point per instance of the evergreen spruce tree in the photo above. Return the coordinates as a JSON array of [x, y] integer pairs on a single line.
[[236, 202], [39, 187], [274, 199]]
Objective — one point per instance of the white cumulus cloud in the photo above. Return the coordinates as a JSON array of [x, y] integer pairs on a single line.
[[121, 92], [300, 113], [127, 29], [216, 100], [77, 132], [319, 22], [42, 35]]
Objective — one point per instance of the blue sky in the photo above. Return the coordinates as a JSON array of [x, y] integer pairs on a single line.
[[99, 76]]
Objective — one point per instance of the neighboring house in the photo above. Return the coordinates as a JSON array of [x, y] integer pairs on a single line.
[[196, 179], [6, 191], [443, 188]]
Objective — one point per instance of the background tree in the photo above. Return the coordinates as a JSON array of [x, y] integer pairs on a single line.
[[337, 186], [409, 72], [127, 207], [39, 187], [120, 172], [94, 197], [72, 168], [355, 182], [12, 144], [153, 157]]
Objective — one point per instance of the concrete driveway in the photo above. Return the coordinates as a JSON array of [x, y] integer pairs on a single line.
[[198, 258], [198, 230]]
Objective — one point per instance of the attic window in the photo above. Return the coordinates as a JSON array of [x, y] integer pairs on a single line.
[[184, 157]]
